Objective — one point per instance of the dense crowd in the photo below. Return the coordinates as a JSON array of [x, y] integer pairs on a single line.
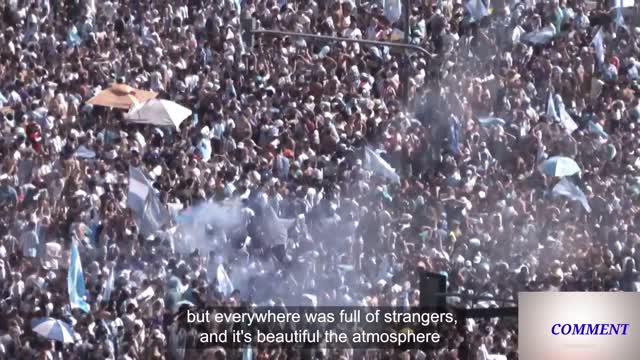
[[278, 170]]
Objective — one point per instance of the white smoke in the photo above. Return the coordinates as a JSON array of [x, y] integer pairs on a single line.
[[204, 226]]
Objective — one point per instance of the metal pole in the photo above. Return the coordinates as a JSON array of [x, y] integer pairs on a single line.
[[415, 48], [405, 68], [475, 297]]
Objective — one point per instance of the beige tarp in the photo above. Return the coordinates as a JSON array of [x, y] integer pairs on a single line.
[[121, 96]]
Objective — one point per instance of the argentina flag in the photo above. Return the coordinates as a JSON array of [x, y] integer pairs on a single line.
[[75, 281], [150, 213]]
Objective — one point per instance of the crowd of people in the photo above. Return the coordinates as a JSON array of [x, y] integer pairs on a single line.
[[310, 173]]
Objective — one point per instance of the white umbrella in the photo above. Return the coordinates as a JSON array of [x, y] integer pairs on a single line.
[[560, 166], [53, 329], [159, 112]]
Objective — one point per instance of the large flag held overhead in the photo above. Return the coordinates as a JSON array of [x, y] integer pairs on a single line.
[[477, 9], [149, 212], [376, 164], [598, 44], [75, 281], [568, 189]]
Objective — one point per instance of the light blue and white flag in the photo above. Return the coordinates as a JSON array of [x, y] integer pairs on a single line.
[[477, 10], [75, 281], [568, 189], [596, 128], [225, 286], [565, 119], [376, 164], [598, 44], [150, 213], [108, 288]]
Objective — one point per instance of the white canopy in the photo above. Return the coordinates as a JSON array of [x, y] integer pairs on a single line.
[[159, 112]]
